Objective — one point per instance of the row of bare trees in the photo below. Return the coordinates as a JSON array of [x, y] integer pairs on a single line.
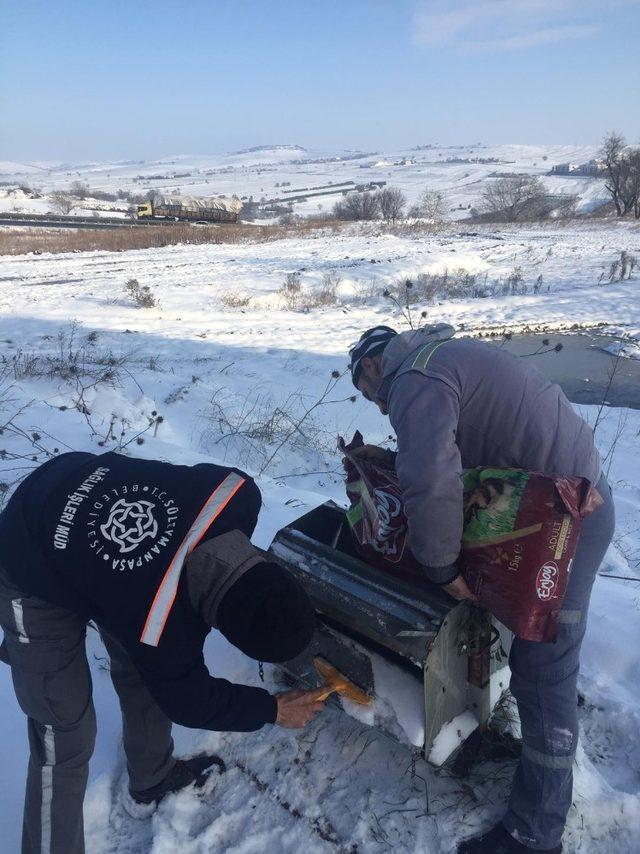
[[389, 204], [523, 198], [622, 163], [514, 198], [63, 201]]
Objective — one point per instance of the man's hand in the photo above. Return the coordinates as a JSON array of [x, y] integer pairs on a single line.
[[373, 452], [459, 590], [297, 708]]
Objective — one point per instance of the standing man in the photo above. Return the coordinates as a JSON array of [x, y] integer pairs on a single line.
[[458, 404], [157, 555]]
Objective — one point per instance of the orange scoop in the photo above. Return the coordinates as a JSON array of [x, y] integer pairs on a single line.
[[334, 681]]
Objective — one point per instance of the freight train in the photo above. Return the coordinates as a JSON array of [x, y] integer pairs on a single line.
[[189, 209]]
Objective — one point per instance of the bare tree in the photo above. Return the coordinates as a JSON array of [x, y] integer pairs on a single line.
[[392, 202], [632, 182], [79, 189], [358, 206], [430, 205], [564, 207], [515, 198], [612, 153], [61, 202], [369, 205]]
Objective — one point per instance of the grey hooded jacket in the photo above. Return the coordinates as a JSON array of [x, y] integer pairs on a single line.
[[459, 403]]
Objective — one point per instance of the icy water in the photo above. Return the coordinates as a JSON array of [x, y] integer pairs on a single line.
[[582, 368]]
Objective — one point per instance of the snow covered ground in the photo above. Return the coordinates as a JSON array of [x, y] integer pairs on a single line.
[[218, 369]]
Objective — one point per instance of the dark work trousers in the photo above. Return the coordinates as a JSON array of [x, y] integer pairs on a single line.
[[544, 683], [45, 646]]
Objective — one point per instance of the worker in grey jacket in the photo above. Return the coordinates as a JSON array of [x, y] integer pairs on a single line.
[[458, 403]]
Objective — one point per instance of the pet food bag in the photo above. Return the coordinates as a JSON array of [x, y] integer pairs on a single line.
[[519, 539]]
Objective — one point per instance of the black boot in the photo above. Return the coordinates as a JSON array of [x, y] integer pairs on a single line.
[[183, 774], [498, 841]]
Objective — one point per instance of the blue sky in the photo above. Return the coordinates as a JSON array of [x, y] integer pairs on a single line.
[[150, 78]]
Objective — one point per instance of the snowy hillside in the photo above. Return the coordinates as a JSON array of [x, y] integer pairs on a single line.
[[274, 172]]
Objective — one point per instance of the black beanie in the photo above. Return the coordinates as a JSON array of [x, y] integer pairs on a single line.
[[371, 343], [267, 614]]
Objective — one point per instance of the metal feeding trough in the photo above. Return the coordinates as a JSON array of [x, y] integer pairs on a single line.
[[442, 649]]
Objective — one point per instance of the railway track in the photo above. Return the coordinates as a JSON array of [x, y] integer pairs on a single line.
[[44, 221]]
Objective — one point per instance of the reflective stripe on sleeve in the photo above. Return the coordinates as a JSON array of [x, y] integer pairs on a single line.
[[166, 592]]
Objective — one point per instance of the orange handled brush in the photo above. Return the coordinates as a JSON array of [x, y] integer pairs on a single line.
[[336, 682]]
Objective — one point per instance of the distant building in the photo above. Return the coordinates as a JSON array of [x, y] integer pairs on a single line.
[[594, 167], [591, 169]]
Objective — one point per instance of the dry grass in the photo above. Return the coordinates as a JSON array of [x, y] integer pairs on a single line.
[[19, 241], [72, 356], [257, 429], [235, 299], [295, 297]]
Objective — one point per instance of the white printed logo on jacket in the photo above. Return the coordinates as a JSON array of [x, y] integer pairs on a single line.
[[128, 525]]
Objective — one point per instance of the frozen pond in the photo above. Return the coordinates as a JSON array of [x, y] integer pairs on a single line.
[[583, 367]]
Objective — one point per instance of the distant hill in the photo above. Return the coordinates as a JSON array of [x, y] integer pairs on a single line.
[[262, 148]]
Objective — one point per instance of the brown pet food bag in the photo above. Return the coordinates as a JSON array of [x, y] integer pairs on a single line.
[[520, 535]]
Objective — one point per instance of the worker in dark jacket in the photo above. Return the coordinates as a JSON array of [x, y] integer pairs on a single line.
[[458, 403], [157, 555]]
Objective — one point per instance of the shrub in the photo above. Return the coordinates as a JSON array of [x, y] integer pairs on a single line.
[[327, 293], [515, 198], [513, 284], [297, 298], [431, 205], [290, 291], [288, 219], [358, 206], [79, 189], [235, 299], [61, 202], [392, 202], [620, 269], [142, 295], [69, 360]]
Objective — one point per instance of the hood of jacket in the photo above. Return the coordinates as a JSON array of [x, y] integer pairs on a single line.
[[403, 345], [214, 567]]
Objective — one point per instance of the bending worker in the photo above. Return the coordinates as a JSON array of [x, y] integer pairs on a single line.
[[157, 555], [461, 403]]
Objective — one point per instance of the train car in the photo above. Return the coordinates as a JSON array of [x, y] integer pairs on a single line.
[[190, 209]]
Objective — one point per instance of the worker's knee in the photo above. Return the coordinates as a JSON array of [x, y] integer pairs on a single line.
[[68, 746], [59, 697]]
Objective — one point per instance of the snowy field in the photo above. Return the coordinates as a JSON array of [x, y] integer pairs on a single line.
[[226, 367]]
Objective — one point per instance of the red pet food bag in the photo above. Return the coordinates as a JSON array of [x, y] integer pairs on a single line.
[[520, 535], [376, 516]]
